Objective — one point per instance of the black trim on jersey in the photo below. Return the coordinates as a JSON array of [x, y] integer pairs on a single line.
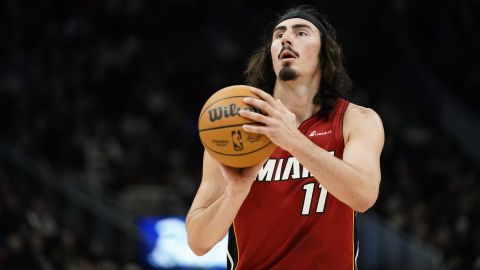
[[356, 241], [232, 249], [342, 122]]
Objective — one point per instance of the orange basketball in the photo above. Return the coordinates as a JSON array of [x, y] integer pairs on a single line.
[[221, 132]]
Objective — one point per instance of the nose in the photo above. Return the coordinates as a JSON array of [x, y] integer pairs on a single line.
[[286, 39]]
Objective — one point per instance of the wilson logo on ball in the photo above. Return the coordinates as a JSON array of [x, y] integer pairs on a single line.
[[227, 111], [220, 129]]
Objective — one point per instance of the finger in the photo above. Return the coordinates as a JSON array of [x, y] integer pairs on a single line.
[[263, 95], [255, 116], [255, 129], [259, 104]]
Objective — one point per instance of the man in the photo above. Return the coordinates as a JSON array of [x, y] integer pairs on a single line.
[[296, 210]]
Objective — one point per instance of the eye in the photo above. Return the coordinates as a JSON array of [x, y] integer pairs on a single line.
[[278, 35], [302, 34]]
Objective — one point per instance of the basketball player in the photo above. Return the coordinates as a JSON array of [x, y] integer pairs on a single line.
[[297, 209]]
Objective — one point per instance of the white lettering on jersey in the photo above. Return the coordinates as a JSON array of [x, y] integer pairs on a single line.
[[278, 170], [292, 170], [266, 171], [292, 163], [320, 133]]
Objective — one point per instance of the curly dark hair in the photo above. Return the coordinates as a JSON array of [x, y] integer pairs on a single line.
[[335, 82]]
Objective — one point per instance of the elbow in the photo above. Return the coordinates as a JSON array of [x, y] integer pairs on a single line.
[[199, 251], [364, 206], [195, 239], [366, 202], [197, 248]]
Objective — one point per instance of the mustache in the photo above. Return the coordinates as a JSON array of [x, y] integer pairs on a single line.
[[288, 48]]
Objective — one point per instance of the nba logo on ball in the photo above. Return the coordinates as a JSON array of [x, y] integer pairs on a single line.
[[221, 133], [237, 140]]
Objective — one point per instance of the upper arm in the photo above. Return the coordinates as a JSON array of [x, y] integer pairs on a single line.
[[364, 139], [211, 187]]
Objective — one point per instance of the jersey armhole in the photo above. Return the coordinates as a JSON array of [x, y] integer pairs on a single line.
[[339, 123]]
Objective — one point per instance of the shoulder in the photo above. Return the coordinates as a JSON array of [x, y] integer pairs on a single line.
[[359, 119], [358, 112]]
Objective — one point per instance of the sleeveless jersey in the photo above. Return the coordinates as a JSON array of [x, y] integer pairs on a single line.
[[288, 220]]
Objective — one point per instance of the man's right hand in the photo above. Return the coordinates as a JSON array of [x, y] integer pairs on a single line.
[[218, 199], [240, 179]]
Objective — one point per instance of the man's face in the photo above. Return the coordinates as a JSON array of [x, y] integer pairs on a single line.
[[295, 49]]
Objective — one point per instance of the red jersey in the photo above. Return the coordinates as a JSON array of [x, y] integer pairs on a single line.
[[288, 220]]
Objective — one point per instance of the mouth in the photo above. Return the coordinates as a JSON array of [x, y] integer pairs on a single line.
[[287, 54]]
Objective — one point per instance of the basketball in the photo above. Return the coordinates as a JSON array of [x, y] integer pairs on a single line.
[[221, 132]]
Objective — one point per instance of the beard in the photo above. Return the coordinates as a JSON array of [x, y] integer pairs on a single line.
[[287, 74]]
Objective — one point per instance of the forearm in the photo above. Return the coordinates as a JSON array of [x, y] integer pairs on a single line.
[[207, 226], [347, 183]]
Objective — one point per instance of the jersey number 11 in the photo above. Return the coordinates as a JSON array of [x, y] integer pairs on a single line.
[[309, 191]]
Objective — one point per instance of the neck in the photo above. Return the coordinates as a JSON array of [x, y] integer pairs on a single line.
[[297, 95]]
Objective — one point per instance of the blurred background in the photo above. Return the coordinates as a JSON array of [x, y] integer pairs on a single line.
[[98, 123]]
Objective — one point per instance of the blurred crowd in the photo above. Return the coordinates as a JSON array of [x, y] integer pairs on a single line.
[[111, 91], [430, 188], [34, 237]]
